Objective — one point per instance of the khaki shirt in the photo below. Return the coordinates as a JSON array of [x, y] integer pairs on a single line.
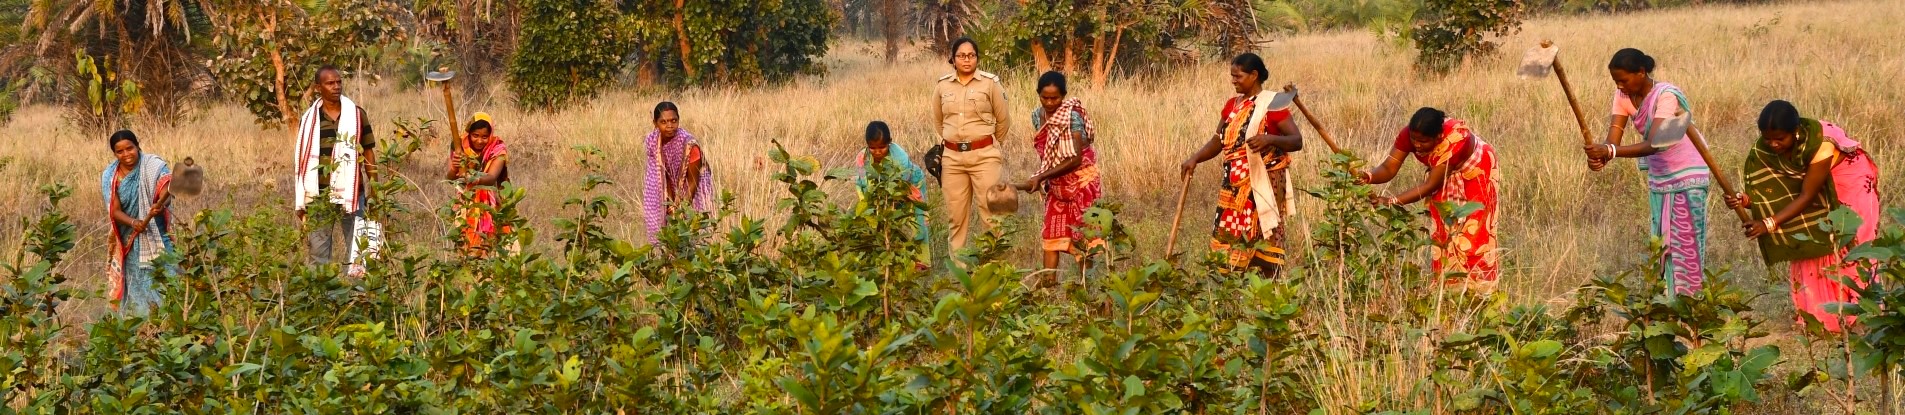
[[972, 110]]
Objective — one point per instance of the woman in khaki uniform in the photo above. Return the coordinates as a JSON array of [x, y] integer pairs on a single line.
[[970, 108]]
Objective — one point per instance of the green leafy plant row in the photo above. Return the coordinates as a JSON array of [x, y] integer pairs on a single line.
[[824, 312]]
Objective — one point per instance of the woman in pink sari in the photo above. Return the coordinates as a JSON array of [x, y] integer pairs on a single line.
[[481, 161], [1677, 177], [1799, 172]]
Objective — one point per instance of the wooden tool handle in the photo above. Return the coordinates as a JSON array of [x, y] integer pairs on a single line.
[[1700, 143], [1316, 125], [449, 108], [1184, 189], [161, 202], [1587, 138]]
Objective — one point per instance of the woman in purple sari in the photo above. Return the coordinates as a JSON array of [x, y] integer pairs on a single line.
[[1677, 177], [677, 174]]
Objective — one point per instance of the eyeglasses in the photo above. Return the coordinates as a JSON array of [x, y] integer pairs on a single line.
[[966, 56]]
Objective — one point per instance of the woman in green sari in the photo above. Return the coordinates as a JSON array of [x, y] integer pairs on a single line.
[[1797, 174]]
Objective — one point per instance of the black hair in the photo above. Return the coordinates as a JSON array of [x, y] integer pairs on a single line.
[[877, 130], [953, 51], [122, 135], [665, 106], [1052, 78], [316, 77], [1779, 115], [479, 125], [1251, 63], [1428, 121], [1632, 60]]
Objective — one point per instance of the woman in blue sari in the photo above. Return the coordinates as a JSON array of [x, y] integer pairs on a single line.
[[135, 190], [881, 150]]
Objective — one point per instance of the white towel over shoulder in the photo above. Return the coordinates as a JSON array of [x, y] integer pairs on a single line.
[[1269, 211], [343, 185]]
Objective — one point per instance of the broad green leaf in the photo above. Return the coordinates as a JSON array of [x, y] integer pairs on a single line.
[[1133, 387], [1542, 349], [800, 392], [1703, 356]]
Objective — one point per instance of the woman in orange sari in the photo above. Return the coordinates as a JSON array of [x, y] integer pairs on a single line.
[[1255, 141], [481, 162], [1461, 171]]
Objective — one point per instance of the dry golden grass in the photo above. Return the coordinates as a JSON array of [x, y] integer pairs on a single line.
[[1561, 223]]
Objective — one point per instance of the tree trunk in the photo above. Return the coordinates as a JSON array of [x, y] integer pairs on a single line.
[[681, 33], [1102, 69], [1887, 405], [1098, 59], [1071, 55], [890, 27], [645, 74], [277, 67], [1040, 60]]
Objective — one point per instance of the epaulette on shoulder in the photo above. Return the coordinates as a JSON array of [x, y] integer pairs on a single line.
[[988, 75], [948, 76]]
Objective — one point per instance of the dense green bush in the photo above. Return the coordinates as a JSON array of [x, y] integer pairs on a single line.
[[745, 42], [1449, 32], [824, 314], [576, 50]]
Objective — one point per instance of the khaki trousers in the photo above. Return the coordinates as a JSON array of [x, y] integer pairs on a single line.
[[964, 175]]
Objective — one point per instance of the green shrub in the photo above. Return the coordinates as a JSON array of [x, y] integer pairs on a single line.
[[573, 50], [1450, 32], [827, 314]]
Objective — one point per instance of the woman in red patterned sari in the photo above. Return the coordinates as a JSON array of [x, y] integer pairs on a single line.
[[1068, 168], [1256, 142], [1461, 171]]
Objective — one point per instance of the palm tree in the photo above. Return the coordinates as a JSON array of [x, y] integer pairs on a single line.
[[149, 41]]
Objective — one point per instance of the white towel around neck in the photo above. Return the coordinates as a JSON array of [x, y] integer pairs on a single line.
[[343, 183]]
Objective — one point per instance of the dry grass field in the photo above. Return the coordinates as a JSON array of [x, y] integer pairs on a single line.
[[1561, 223]]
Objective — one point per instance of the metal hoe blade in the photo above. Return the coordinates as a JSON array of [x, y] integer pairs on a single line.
[[1281, 101], [1538, 62], [439, 75], [1671, 129], [190, 180]]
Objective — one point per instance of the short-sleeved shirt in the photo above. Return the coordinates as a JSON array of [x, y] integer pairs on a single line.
[[1270, 118], [1827, 152], [327, 132], [971, 110], [1665, 106]]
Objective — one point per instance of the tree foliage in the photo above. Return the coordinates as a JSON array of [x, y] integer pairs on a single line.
[[477, 39], [269, 50], [578, 50], [1449, 32], [1102, 37], [153, 46], [744, 42]]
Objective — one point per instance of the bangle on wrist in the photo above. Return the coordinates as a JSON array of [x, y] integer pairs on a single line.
[[1772, 226]]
